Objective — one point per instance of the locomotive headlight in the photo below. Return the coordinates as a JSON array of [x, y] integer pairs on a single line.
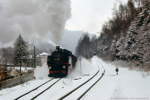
[[50, 67], [64, 67]]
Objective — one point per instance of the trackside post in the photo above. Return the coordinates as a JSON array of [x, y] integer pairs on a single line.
[[80, 58]]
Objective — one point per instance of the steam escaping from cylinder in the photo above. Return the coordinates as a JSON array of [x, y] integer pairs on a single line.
[[33, 18]]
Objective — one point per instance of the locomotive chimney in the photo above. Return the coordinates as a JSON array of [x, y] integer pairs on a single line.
[[57, 48]]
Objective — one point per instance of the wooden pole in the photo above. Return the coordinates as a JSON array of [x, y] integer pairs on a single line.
[[20, 67], [20, 59], [34, 57]]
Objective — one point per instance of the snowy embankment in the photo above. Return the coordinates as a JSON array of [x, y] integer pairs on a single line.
[[15, 71], [41, 74], [128, 85]]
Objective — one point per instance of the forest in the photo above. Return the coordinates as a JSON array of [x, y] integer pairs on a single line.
[[124, 37]]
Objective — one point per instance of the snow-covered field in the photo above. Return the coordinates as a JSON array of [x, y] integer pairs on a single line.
[[128, 85]]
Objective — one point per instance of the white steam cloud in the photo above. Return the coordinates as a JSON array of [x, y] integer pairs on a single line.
[[32, 18]]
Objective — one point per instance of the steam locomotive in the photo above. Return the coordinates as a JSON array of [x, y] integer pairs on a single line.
[[59, 62]]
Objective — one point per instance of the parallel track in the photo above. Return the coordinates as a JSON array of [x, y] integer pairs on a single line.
[[45, 89], [33, 89], [78, 87], [91, 86], [72, 91], [69, 93]]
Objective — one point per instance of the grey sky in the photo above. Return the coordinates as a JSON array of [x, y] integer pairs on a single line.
[[47, 18], [89, 15], [33, 18]]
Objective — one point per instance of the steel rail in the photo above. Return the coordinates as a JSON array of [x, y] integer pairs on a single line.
[[45, 89], [78, 87], [95, 81], [66, 95], [33, 89], [91, 86]]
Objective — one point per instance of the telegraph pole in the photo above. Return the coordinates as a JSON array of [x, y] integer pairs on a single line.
[[34, 57], [20, 67], [80, 58], [20, 59]]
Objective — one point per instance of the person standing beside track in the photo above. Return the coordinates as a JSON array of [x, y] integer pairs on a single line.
[[117, 70]]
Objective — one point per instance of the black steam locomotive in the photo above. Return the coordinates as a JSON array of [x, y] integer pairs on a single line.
[[59, 61]]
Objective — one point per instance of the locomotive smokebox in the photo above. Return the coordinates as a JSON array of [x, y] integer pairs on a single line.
[[59, 61]]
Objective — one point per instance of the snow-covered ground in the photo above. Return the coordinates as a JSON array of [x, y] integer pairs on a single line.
[[15, 71], [128, 85]]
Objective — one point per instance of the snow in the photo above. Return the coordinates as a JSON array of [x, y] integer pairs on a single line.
[[43, 54], [15, 71], [128, 85], [23, 69], [41, 72]]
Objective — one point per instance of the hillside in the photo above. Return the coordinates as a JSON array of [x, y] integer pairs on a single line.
[[135, 46], [125, 37]]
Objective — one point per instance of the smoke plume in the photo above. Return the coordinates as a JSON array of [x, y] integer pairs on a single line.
[[33, 18]]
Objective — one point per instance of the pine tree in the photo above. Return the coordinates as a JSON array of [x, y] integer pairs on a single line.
[[78, 51], [135, 46], [83, 47], [21, 51]]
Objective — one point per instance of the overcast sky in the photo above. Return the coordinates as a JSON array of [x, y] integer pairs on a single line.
[[89, 15], [33, 18], [47, 18]]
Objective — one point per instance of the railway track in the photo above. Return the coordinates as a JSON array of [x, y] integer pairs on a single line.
[[25, 94], [83, 84], [77, 92], [91, 86], [45, 89]]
